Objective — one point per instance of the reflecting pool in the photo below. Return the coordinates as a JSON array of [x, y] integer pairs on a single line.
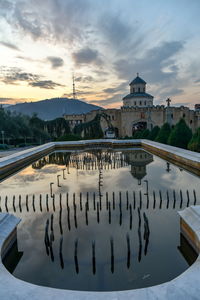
[[99, 220]]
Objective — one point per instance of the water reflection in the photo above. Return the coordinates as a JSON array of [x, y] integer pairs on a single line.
[[13, 257], [138, 161], [99, 220]]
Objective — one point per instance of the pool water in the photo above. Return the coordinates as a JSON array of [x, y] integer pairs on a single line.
[[99, 220]]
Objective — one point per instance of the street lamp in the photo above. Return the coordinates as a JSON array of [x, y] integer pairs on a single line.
[[2, 132]]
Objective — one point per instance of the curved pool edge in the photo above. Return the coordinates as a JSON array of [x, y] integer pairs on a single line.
[[185, 286]]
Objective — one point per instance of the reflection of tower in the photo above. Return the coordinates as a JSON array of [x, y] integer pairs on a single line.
[[168, 167], [100, 168], [138, 160]]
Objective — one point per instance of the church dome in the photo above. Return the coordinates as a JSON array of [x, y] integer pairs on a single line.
[[137, 80], [138, 96]]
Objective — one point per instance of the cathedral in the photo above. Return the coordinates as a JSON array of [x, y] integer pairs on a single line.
[[138, 112]]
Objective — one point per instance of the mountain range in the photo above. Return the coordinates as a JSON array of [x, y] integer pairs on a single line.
[[50, 109]]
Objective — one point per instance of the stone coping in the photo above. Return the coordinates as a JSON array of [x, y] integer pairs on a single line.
[[185, 286], [190, 155], [190, 225]]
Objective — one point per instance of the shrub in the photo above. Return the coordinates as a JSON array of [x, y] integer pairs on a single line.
[[144, 134], [4, 147], [154, 133], [194, 143], [163, 134], [138, 134], [180, 135]]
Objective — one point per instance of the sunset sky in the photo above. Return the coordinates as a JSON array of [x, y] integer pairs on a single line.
[[105, 43]]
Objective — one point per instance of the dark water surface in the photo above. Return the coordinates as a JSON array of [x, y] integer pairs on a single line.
[[99, 220]]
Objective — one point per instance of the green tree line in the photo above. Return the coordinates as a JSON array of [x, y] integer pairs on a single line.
[[179, 135], [16, 129]]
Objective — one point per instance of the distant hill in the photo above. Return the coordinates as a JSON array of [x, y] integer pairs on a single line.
[[50, 109]]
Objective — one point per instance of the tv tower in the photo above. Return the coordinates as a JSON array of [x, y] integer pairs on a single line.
[[74, 88]]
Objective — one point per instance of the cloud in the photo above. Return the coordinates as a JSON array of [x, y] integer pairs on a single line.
[[84, 79], [101, 73], [56, 62], [181, 104], [27, 58], [27, 20], [197, 81], [114, 99], [15, 76], [10, 101], [45, 84], [121, 87], [86, 56], [9, 45], [169, 92], [6, 100], [118, 34], [5, 5], [51, 20], [153, 63]]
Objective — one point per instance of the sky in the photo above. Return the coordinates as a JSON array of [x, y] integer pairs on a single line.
[[104, 43]]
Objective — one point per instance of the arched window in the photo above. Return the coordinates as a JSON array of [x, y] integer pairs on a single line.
[[135, 103], [190, 121], [138, 90], [140, 102], [183, 115]]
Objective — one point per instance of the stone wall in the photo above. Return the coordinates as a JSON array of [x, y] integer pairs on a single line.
[[124, 118]]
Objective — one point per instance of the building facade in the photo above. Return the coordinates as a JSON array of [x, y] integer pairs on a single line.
[[138, 112]]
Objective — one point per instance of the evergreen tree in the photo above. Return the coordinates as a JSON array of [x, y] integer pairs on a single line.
[[138, 134], [153, 134], [163, 134], [194, 143], [144, 134], [180, 135]]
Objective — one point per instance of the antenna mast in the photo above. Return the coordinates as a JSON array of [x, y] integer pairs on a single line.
[[74, 88]]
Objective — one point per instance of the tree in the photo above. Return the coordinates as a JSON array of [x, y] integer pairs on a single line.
[[138, 134], [145, 134], [180, 135], [153, 134], [163, 134], [194, 143]]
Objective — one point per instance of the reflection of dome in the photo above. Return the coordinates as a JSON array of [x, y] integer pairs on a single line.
[[138, 172], [138, 160]]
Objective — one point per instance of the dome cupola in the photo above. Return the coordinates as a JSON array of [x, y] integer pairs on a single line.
[[138, 96]]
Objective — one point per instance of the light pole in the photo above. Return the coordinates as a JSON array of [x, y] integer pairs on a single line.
[[2, 132]]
